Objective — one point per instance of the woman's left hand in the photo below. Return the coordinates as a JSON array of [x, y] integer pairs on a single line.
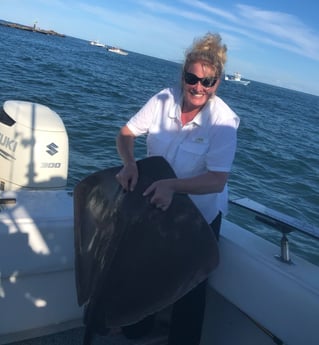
[[163, 192]]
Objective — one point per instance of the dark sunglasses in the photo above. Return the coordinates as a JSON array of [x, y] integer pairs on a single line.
[[192, 79]]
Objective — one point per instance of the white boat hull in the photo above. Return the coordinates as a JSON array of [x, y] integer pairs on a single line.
[[37, 290], [243, 82], [117, 51], [282, 298]]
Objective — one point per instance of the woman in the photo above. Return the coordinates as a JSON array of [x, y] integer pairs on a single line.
[[195, 131]]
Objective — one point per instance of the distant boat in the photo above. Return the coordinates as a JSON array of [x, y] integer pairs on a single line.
[[236, 77], [117, 51], [98, 44]]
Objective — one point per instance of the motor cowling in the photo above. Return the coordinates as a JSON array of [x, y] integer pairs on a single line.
[[34, 148]]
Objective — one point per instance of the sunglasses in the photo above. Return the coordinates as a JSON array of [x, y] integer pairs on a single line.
[[192, 79]]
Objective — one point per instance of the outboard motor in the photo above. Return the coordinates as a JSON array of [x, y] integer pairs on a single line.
[[34, 149]]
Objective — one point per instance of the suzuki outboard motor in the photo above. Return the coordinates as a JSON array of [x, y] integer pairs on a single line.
[[34, 148]]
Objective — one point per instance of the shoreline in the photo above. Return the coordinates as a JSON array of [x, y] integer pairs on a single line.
[[32, 29]]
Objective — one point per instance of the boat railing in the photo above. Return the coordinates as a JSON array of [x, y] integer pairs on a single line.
[[279, 221]]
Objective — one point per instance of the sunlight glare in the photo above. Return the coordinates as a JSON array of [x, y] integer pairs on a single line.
[[38, 302]]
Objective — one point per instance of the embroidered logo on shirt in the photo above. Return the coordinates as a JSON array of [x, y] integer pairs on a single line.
[[199, 140]]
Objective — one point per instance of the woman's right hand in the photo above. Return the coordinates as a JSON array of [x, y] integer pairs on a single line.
[[127, 176]]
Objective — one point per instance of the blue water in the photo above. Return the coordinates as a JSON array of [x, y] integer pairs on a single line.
[[95, 92]]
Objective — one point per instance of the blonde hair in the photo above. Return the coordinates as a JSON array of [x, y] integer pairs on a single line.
[[210, 51]]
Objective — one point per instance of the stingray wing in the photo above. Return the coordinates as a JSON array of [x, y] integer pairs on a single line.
[[133, 259]]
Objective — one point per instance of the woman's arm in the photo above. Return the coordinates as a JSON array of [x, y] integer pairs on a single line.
[[163, 190], [128, 175], [210, 182]]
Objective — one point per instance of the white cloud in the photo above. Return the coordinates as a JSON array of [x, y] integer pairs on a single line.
[[283, 30]]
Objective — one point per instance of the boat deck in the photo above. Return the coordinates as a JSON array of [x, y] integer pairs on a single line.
[[75, 336], [224, 324]]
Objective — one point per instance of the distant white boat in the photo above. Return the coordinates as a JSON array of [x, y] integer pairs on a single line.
[[98, 44], [236, 77], [117, 51]]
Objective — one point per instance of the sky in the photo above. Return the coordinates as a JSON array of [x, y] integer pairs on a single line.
[[274, 41]]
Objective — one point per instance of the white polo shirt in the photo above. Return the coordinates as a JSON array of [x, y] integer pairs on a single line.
[[207, 143]]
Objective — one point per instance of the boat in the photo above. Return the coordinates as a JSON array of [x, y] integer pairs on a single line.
[[236, 78], [97, 44], [37, 287], [117, 51], [261, 292]]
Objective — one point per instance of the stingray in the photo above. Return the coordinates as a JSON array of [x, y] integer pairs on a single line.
[[131, 258]]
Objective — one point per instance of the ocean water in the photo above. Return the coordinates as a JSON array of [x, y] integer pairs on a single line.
[[95, 92]]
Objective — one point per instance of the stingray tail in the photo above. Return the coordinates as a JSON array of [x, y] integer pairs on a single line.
[[88, 336]]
